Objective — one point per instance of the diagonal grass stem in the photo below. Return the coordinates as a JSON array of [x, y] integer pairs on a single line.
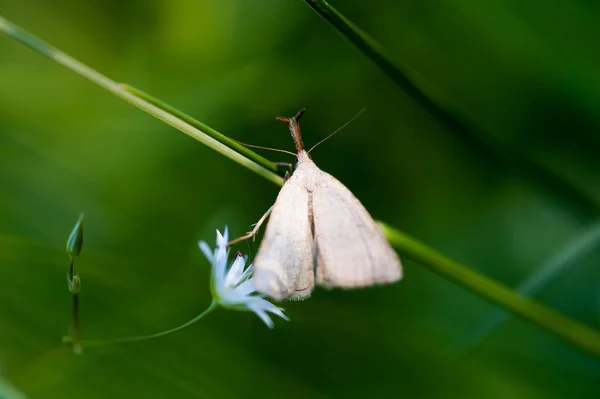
[[450, 114]]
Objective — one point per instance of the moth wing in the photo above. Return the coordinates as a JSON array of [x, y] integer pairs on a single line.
[[283, 267], [351, 250]]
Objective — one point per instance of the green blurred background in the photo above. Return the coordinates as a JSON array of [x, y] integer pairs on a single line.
[[527, 70]]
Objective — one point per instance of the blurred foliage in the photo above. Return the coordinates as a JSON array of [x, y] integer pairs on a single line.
[[526, 70]]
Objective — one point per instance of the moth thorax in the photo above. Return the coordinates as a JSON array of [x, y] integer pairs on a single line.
[[302, 157]]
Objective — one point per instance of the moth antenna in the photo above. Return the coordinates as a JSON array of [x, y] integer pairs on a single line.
[[359, 113], [265, 148]]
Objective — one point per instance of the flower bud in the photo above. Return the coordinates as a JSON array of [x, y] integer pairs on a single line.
[[75, 241]]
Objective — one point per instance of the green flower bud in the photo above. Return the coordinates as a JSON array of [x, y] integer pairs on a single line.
[[75, 241]]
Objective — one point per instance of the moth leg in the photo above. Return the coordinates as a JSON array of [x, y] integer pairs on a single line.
[[252, 234], [286, 176], [287, 165]]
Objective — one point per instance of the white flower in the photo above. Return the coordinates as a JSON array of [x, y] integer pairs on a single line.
[[233, 287]]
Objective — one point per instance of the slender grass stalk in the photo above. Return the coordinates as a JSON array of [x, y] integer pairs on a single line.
[[74, 247], [450, 114], [209, 137], [571, 331], [234, 145], [213, 305]]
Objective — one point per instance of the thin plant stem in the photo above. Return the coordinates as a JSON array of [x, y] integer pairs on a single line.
[[494, 292], [552, 321], [450, 114], [75, 323], [205, 137], [213, 305], [71, 269], [74, 337], [75, 328], [234, 145], [74, 247]]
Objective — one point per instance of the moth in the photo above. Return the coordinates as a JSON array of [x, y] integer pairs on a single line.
[[318, 233]]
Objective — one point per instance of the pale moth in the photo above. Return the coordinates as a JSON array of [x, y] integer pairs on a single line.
[[318, 232]]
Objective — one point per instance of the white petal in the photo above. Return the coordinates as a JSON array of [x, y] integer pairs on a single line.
[[219, 268], [262, 304], [222, 238], [278, 312], [231, 299], [206, 250], [246, 273], [221, 253], [234, 273], [246, 288], [264, 317]]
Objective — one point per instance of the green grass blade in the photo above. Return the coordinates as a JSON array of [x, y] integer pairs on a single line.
[[550, 320], [234, 145], [209, 137], [450, 114]]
